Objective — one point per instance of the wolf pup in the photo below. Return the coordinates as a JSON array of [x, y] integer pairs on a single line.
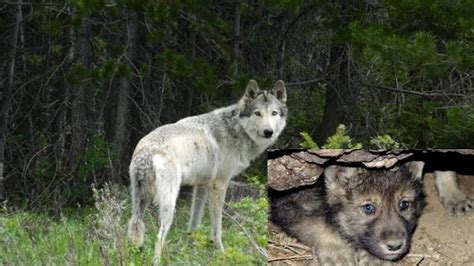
[[353, 215], [203, 151]]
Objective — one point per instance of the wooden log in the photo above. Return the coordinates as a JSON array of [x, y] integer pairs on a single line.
[[289, 169]]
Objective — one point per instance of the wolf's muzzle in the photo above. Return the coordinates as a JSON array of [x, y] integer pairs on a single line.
[[267, 133]]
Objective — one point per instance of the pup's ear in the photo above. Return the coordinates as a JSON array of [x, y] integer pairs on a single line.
[[251, 91], [340, 178], [415, 168], [279, 90]]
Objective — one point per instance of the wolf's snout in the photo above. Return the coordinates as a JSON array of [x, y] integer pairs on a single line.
[[394, 245], [267, 133]]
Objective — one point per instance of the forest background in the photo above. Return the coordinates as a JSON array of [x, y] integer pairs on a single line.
[[83, 80]]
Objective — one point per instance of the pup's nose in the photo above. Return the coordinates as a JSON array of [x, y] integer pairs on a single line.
[[394, 245], [267, 133]]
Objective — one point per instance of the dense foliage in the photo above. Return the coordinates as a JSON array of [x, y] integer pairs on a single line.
[[83, 80]]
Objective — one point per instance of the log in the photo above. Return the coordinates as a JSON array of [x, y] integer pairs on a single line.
[[289, 169]]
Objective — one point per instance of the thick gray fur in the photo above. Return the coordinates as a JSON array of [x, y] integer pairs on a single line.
[[203, 151], [331, 215]]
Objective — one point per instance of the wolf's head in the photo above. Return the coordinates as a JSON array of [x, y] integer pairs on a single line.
[[376, 210], [263, 113]]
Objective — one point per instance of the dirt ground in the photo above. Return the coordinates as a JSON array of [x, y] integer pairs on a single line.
[[440, 239]]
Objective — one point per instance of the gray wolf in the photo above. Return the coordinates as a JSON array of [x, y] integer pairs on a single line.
[[354, 215], [203, 151]]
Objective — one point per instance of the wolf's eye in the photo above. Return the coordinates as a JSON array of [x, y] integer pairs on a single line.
[[368, 208], [257, 113], [274, 113], [403, 205]]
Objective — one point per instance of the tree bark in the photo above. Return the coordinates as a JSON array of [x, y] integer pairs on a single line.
[[341, 97], [79, 122], [236, 44], [289, 169], [64, 96], [281, 61], [122, 111], [6, 91]]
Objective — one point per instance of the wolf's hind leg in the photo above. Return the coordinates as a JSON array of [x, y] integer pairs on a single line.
[[166, 211], [142, 191], [216, 204], [197, 209], [136, 226], [167, 190], [450, 194]]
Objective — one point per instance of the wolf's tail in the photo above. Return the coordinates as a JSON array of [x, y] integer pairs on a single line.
[[142, 187]]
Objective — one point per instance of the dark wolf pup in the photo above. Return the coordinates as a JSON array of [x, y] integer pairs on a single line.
[[203, 151], [353, 215]]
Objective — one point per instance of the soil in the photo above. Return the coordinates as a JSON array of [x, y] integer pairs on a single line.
[[440, 238]]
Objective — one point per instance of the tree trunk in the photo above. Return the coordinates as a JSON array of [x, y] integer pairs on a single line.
[[79, 122], [281, 61], [341, 97], [64, 95], [122, 111], [236, 45], [6, 93]]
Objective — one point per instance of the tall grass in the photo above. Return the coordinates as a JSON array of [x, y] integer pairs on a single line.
[[97, 235]]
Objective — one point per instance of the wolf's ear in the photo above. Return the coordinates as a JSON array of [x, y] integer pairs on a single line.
[[251, 92], [279, 90], [415, 168], [340, 178]]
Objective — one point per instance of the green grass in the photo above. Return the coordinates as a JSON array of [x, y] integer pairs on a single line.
[[97, 236]]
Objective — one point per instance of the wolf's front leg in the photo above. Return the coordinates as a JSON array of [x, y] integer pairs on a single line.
[[331, 248], [450, 194], [197, 209], [216, 202]]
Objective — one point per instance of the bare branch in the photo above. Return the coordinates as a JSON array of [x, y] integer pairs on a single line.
[[414, 92], [306, 82]]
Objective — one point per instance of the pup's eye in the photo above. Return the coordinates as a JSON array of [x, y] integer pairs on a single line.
[[274, 113], [368, 208], [403, 205], [257, 113]]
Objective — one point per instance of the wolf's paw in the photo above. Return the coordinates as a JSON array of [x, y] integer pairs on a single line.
[[451, 196], [218, 244], [457, 203], [364, 258], [136, 232]]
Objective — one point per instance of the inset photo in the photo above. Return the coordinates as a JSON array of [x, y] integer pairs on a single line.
[[370, 207]]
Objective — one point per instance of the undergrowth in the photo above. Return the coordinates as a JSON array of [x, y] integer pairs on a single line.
[[97, 235]]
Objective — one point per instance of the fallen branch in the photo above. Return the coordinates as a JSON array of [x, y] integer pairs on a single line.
[[286, 248], [291, 244], [294, 257]]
